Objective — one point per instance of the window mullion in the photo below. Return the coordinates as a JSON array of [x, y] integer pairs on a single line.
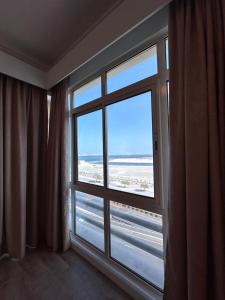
[[161, 57], [104, 84], [105, 168], [75, 165]]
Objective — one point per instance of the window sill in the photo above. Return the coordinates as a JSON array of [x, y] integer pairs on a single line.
[[127, 281]]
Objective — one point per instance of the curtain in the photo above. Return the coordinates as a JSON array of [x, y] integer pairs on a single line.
[[23, 120], [195, 262], [37, 137], [58, 187]]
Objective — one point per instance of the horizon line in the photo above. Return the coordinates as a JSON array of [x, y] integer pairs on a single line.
[[144, 154]]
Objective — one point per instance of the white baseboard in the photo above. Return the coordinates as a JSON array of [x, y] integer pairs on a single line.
[[130, 283]]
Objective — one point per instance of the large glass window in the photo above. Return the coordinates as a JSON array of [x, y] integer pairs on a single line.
[[87, 92], [90, 219], [117, 160], [90, 148], [130, 151], [137, 241], [139, 67], [167, 54]]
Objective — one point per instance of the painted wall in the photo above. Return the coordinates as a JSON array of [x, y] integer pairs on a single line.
[[143, 34], [118, 23], [18, 69], [121, 21]]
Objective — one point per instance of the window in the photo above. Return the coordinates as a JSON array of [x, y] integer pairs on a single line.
[[130, 150], [137, 68], [117, 163], [87, 92], [89, 219], [136, 241], [90, 148], [167, 54]]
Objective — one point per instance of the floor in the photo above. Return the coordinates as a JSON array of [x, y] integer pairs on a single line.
[[43, 275]]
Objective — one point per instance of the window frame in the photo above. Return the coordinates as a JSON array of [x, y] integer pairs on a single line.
[[83, 83], [157, 85], [139, 201]]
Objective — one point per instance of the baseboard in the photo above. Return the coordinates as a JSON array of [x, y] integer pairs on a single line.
[[131, 284]]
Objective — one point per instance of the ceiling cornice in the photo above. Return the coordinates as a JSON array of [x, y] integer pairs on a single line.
[[89, 30], [45, 67], [25, 58]]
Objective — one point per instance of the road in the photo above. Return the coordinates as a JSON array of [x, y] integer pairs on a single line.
[[136, 247]]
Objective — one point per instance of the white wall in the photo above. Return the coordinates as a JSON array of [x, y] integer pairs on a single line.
[[120, 21], [18, 69]]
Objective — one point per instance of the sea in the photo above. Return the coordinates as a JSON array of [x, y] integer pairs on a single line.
[[120, 160]]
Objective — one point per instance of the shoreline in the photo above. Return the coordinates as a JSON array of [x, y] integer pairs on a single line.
[[135, 178]]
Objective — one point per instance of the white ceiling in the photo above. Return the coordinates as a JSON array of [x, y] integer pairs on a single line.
[[41, 32], [43, 41]]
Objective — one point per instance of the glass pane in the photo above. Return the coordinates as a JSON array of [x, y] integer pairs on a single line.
[[90, 219], [167, 54], [87, 92], [137, 241], [137, 68], [130, 151], [90, 148]]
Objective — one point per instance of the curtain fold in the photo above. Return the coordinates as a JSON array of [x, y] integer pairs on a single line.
[[37, 136], [16, 135], [195, 260], [58, 186]]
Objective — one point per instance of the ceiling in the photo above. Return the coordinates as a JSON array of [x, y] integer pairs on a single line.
[[42, 32]]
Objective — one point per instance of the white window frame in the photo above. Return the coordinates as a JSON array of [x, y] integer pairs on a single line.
[[158, 86]]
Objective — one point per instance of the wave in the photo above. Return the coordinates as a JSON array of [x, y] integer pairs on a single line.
[[145, 160]]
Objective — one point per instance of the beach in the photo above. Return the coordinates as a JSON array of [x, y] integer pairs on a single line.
[[133, 174]]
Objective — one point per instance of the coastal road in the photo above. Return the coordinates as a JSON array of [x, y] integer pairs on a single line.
[[131, 244]]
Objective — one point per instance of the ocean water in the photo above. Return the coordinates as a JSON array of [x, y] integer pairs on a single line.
[[121, 160]]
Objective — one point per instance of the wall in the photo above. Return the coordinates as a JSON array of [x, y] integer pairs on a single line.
[[16, 68], [113, 27], [142, 34]]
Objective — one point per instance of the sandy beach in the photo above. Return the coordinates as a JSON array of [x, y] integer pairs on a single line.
[[133, 175]]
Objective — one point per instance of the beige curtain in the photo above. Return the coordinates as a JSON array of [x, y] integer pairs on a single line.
[[195, 262], [23, 125], [57, 184], [37, 136]]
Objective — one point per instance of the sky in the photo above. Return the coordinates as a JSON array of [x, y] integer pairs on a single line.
[[129, 122]]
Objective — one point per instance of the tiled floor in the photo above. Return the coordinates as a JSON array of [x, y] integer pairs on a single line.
[[43, 275]]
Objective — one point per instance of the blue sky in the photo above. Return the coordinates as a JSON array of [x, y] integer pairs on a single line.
[[129, 128], [129, 121]]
